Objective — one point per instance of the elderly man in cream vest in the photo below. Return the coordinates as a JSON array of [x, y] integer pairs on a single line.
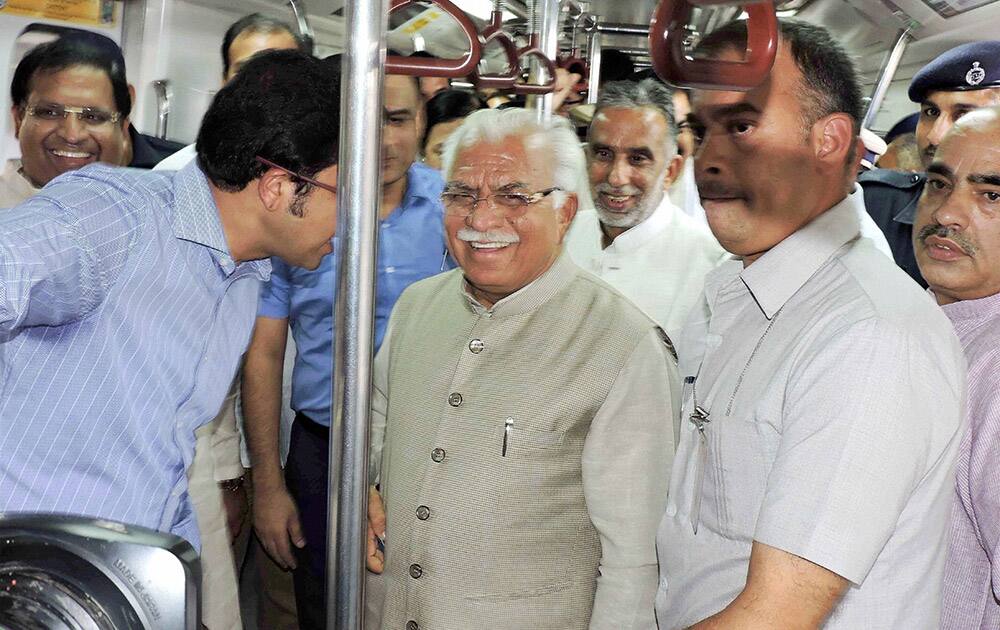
[[523, 410]]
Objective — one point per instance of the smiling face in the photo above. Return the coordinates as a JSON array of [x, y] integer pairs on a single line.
[[757, 165], [956, 235], [940, 110], [50, 148], [499, 254], [628, 164]]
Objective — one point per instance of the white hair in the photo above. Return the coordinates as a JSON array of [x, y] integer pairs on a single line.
[[555, 139]]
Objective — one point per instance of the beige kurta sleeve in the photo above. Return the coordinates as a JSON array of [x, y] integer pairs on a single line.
[[626, 468], [225, 438], [380, 404]]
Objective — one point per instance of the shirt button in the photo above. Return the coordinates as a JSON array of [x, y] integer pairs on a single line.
[[412, 625], [476, 346], [416, 571], [390, 269], [437, 455], [423, 512], [455, 399]]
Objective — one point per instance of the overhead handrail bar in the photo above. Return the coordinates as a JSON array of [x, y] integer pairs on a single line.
[[427, 67], [620, 28], [671, 62], [494, 33]]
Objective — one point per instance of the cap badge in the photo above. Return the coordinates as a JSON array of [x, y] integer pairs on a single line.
[[976, 75]]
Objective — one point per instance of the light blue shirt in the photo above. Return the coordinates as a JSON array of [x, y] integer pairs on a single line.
[[122, 322], [411, 247]]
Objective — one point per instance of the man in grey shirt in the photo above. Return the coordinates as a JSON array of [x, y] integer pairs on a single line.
[[822, 407]]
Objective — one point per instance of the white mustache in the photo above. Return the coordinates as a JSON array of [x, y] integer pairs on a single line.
[[622, 191], [493, 236]]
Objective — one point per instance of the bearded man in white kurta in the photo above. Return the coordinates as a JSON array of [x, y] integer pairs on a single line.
[[526, 409]]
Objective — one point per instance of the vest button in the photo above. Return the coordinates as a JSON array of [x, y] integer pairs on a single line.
[[476, 346], [412, 625], [416, 571], [437, 455], [423, 512], [455, 399]]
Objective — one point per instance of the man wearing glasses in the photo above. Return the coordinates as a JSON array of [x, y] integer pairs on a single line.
[[127, 297], [521, 429], [70, 107]]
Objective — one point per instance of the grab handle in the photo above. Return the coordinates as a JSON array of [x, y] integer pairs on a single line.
[[426, 67], [494, 33], [534, 50], [666, 46]]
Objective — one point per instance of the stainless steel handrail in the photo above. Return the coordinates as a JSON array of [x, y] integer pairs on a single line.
[[357, 225], [163, 95]]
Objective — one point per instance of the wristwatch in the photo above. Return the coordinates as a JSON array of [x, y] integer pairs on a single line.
[[232, 485]]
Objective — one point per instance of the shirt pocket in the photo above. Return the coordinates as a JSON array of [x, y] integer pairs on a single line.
[[741, 456]]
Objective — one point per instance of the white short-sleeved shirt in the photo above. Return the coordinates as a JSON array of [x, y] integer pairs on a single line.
[[835, 392]]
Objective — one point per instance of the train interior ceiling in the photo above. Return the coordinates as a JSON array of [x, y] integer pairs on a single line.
[[178, 40]]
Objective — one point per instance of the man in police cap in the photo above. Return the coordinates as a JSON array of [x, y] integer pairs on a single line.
[[956, 82]]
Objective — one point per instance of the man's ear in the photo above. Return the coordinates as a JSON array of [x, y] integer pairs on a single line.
[[275, 190], [674, 169], [566, 212], [18, 115], [834, 138]]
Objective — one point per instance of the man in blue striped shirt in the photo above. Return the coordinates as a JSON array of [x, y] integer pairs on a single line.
[[127, 298]]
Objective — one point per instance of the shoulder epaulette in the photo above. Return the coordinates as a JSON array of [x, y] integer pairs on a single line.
[[888, 177]]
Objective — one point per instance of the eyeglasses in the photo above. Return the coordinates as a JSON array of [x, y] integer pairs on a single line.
[[89, 116], [308, 180], [514, 204]]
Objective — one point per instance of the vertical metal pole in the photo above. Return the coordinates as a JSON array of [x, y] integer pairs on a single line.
[[885, 77], [593, 61], [357, 216], [548, 21]]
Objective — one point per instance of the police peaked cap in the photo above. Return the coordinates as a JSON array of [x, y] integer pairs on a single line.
[[974, 66]]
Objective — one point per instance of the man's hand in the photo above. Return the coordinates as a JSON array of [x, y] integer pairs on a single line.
[[276, 521], [235, 502], [376, 527], [565, 82]]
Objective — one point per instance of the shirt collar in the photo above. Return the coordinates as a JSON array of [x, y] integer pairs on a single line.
[[423, 184], [196, 219], [14, 169], [908, 213], [648, 229], [777, 275], [531, 296], [982, 308]]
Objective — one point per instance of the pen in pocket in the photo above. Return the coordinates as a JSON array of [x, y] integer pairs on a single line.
[[508, 426]]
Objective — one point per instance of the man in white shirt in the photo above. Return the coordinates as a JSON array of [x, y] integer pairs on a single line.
[[822, 406], [637, 240]]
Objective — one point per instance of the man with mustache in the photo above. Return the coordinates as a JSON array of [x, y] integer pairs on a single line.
[[957, 245], [290, 504], [955, 83], [526, 409], [637, 240], [822, 409]]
